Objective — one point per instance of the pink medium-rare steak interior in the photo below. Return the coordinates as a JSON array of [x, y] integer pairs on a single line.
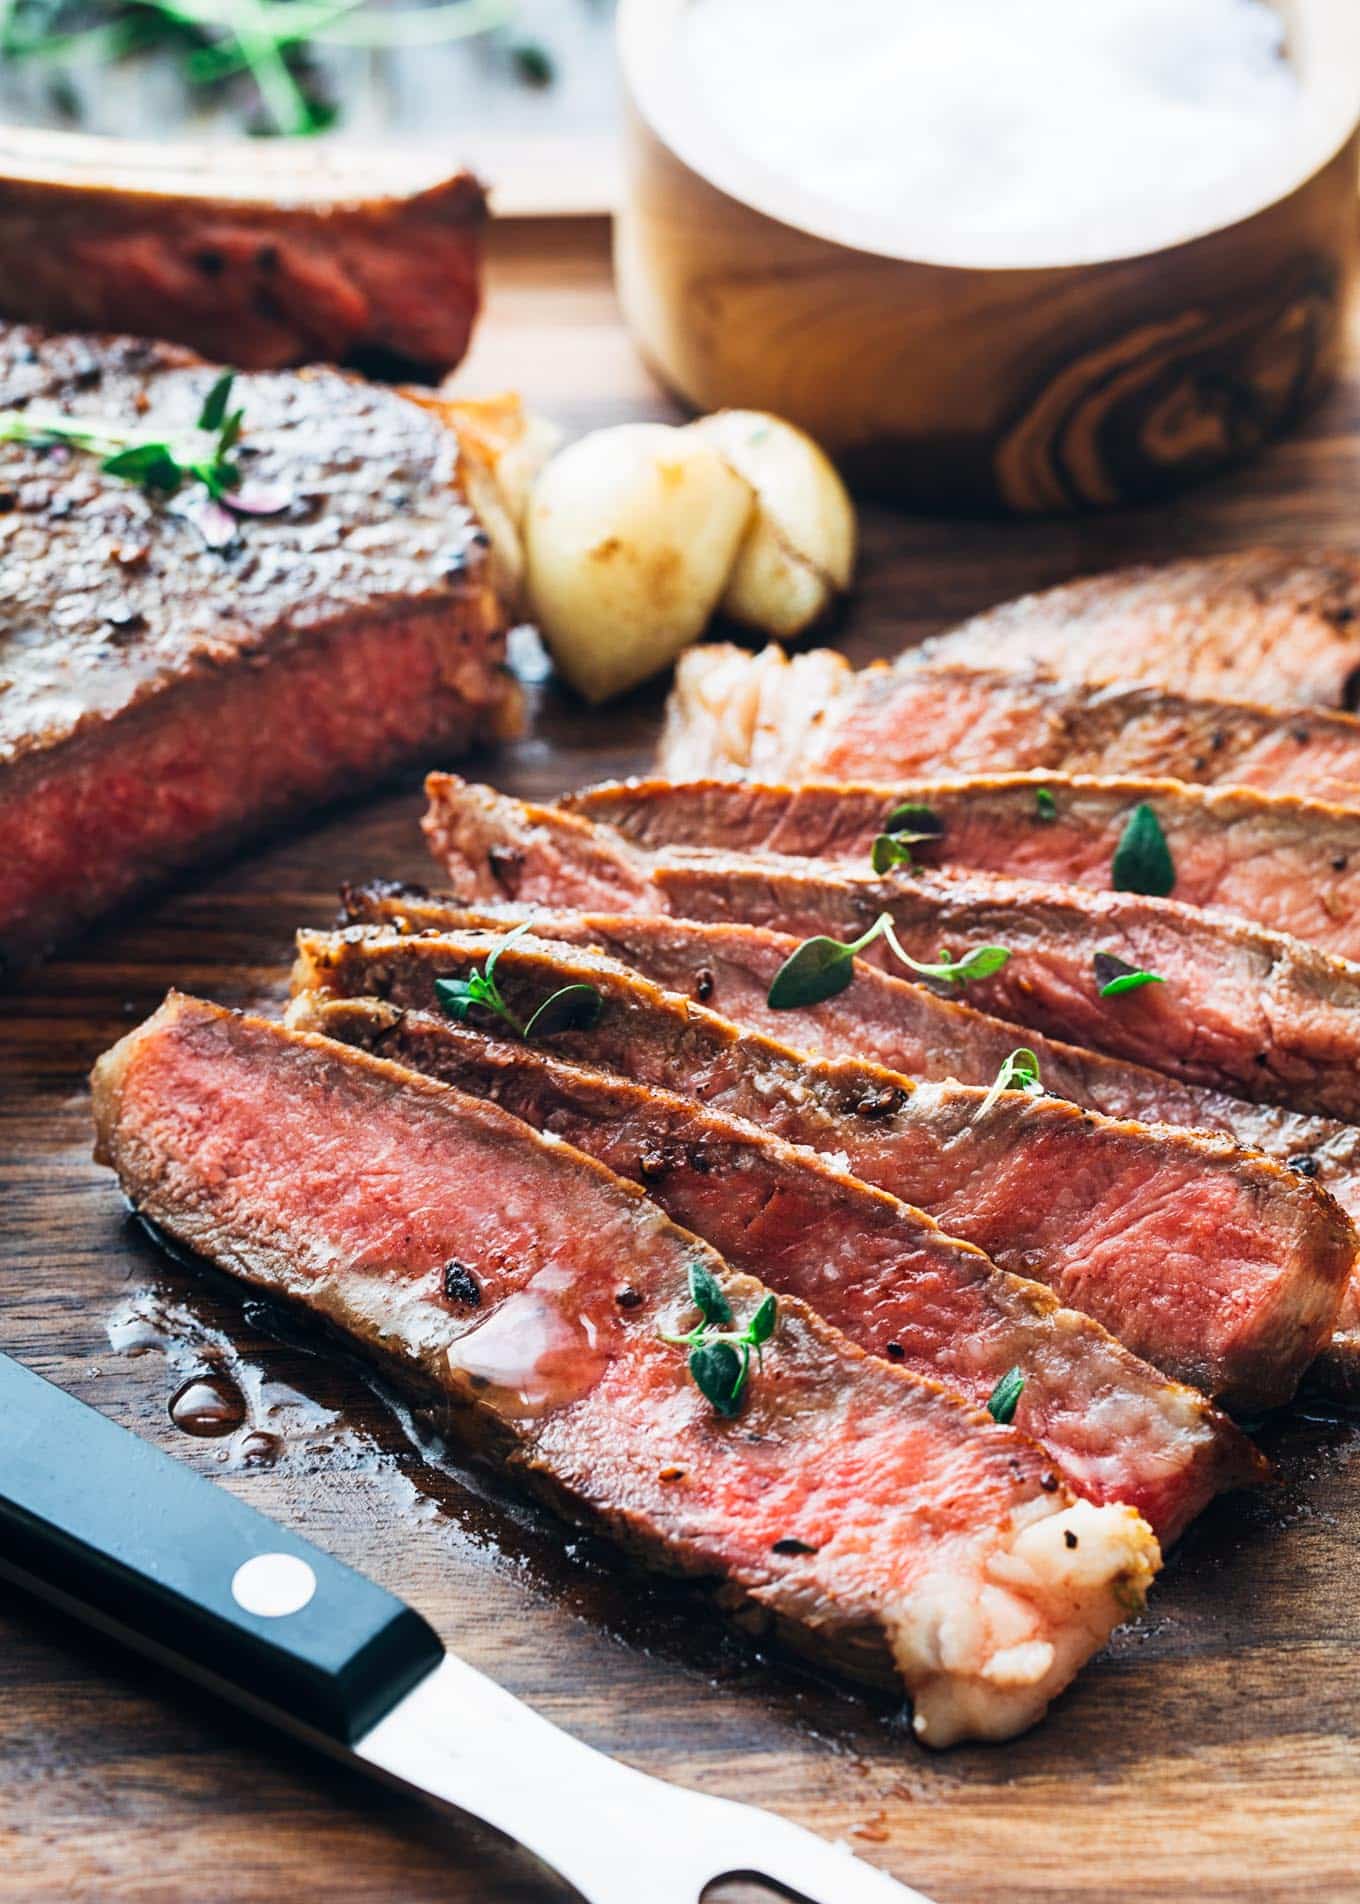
[[351, 1184], [1292, 865], [1116, 1429], [164, 694], [903, 1026], [737, 715], [1244, 1010], [1213, 1263]]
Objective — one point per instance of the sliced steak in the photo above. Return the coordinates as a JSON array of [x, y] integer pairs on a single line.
[[1117, 1430], [1243, 1010], [736, 715], [903, 1026], [162, 697], [1218, 1266], [879, 1522], [1290, 864], [909, 1028], [1266, 625], [258, 259]]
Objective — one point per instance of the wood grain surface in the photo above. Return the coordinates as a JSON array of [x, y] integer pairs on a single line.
[[1214, 1751]]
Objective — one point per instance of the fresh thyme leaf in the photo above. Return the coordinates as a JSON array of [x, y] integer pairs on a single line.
[[914, 823], [719, 1354], [573, 1008], [887, 851], [1045, 806], [214, 411], [761, 1326], [706, 1294], [1142, 860], [818, 970], [1114, 976], [1002, 1401], [1019, 1072], [153, 465], [719, 1374]]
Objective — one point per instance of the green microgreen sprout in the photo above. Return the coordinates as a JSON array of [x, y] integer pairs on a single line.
[[1115, 976], [575, 1007], [720, 1354], [1045, 806], [820, 967], [1019, 1072], [906, 826], [1001, 1403]]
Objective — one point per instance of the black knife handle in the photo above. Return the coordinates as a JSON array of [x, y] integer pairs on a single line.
[[102, 1522]]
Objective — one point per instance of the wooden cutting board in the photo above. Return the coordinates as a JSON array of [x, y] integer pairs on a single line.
[[1214, 1751]]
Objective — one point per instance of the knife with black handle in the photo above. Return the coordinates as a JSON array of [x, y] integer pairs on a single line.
[[99, 1523]]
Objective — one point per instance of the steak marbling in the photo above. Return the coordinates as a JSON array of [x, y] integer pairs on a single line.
[[877, 1521]]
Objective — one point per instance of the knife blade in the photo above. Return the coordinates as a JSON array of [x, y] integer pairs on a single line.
[[102, 1525]]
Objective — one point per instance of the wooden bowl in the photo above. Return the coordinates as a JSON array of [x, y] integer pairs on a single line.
[[949, 382]]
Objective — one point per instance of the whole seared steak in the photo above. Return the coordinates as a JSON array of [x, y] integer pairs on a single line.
[[159, 696]]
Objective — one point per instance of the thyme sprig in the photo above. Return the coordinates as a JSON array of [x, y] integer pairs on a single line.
[[158, 462], [574, 1007], [719, 1354], [822, 967]]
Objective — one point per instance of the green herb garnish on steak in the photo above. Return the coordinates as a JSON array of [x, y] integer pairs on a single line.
[[1019, 1072], [822, 967], [572, 1008], [1142, 860], [1045, 806], [1115, 976], [1002, 1401], [719, 1355]]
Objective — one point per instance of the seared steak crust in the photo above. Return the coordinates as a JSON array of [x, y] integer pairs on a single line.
[[1290, 864], [162, 696], [1266, 625], [243, 271], [1244, 1010], [742, 716], [934, 1549], [1256, 1256], [1116, 1429]]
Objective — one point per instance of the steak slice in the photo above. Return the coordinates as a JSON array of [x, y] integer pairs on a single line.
[[1117, 1430], [909, 1028], [879, 1522], [1293, 865], [903, 1026], [1267, 625], [736, 715], [1244, 1010], [162, 697], [258, 259], [1211, 1262]]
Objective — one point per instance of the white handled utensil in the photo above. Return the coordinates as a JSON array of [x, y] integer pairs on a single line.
[[100, 1523]]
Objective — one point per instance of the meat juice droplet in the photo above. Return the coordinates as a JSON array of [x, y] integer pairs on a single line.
[[531, 1355], [208, 1405]]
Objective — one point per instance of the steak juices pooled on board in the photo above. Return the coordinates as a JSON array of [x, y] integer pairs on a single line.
[[876, 1520]]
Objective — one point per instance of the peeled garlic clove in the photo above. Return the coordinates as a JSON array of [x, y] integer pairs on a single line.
[[799, 550], [630, 536]]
